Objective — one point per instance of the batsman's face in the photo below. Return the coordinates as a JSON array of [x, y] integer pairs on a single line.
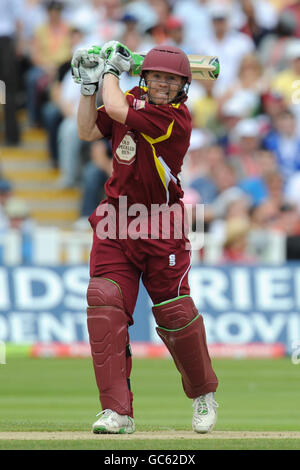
[[163, 86]]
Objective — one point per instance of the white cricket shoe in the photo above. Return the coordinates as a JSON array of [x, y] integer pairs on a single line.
[[111, 422], [205, 413]]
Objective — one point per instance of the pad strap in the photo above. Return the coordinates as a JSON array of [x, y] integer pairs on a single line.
[[176, 313]]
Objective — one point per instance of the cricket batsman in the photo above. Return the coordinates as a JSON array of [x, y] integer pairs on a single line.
[[149, 128]]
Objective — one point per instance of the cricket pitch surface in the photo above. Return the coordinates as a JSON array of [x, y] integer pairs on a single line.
[[168, 434]]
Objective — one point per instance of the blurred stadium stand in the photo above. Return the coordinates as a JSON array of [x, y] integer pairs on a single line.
[[53, 246], [225, 125], [28, 167]]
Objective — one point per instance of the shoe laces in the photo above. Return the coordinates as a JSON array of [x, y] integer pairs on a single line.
[[202, 403], [104, 412]]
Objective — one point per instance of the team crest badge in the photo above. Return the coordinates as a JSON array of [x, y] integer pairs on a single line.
[[126, 151]]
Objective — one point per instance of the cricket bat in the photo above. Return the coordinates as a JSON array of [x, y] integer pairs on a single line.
[[203, 67]]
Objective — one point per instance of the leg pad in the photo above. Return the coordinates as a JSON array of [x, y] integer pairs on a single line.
[[182, 330], [108, 333]]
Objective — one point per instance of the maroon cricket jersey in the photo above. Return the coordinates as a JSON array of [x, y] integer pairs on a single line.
[[148, 150]]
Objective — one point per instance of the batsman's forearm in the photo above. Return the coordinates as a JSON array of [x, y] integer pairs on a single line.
[[114, 99], [86, 116]]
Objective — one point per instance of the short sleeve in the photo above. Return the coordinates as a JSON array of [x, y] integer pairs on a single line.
[[104, 122], [148, 118]]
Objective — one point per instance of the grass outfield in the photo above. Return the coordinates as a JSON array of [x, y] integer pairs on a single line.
[[60, 395]]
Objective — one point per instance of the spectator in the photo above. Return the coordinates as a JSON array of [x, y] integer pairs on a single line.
[[53, 111], [197, 161], [146, 17], [275, 187], [89, 14], [19, 219], [263, 217], [202, 180], [273, 48], [195, 223], [259, 19], [95, 174], [109, 23], [225, 179], [266, 161], [292, 190], [238, 206], [294, 8], [255, 187], [10, 32], [226, 43], [284, 142], [246, 140], [289, 220], [279, 5], [68, 143], [130, 23], [196, 20], [101, 18], [272, 105], [250, 84], [204, 106], [265, 13], [283, 80], [51, 48], [236, 245], [35, 14], [290, 224], [269, 220], [229, 114], [5, 195], [162, 9], [286, 82], [175, 34], [133, 39]]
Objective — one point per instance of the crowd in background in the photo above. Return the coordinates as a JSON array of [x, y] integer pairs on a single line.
[[244, 159]]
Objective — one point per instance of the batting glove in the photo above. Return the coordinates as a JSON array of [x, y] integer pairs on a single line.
[[87, 69], [118, 58]]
